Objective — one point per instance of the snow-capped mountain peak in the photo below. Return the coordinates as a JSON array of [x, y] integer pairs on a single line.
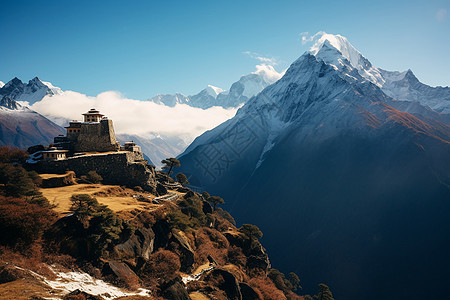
[[1, 84], [341, 44], [332, 48], [30, 92], [213, 90]]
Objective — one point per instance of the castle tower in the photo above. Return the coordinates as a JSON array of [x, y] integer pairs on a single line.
[[73, 130], [92, 115]]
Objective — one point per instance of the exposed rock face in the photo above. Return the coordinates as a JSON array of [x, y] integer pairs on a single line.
[[175, 290], [121, 168], [258, 257], [225, 281], [59, 181], [119, 273], [248, 293], [77, 294], [140, 244], [184, 249], [160, 189]]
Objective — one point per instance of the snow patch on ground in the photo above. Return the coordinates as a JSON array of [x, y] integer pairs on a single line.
[[70, 281]]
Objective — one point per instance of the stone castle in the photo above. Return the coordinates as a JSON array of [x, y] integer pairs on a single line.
[[95, 134], [92, 146]]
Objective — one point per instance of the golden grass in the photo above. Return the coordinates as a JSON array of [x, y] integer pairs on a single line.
[[60, 197], [201, 268], [47, 176], [198, 296], [24, 289]]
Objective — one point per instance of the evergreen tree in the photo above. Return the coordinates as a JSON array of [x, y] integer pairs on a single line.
[[170, 163], [251, 231], [181, 178], [295, 281], [214, 200]]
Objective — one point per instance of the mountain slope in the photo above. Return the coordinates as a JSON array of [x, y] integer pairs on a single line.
[[21, 127], [341, 182]]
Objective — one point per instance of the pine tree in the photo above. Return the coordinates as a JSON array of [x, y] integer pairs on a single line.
[[170, 163]]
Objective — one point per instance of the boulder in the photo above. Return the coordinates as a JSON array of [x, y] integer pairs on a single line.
[[140, 244], [160, 189], [248, 293], [162, 233], [119, 273], [207, 208], [226, 282], [180, 245], [78, 294], [174, 290]]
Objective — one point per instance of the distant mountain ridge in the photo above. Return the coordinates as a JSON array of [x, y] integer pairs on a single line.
[[239, 93], [30, 92]]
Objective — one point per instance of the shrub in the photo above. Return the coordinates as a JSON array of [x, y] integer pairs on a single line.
[[224, 214], [182, 179], [12, 155], [236, 256], [103, 225], [22, 223], [16, 182], [92, 177], [161, 266], [267, 288], [213, 243], [251, 231]]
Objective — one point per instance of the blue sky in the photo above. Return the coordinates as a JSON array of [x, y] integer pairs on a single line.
[[142, 48]]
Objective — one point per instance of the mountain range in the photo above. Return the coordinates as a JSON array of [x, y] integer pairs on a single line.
[[239, 93], [346, 169]]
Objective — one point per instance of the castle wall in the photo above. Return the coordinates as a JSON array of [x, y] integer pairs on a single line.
[[97, 137], [121, 168]]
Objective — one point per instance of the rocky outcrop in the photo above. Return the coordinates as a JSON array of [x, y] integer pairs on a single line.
[[180, 245], [226, 282], [120, 274], [257, 257], [175, 290], [255, 252], [160, 189], [248, 293], [78, 294], [140, 244]]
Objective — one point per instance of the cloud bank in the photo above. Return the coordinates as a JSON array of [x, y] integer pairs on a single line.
[[134, 116]]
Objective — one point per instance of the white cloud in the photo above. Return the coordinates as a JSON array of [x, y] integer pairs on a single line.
[[268, 72], [441, 14], [267, 60], [134, 116], [307, 38]]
